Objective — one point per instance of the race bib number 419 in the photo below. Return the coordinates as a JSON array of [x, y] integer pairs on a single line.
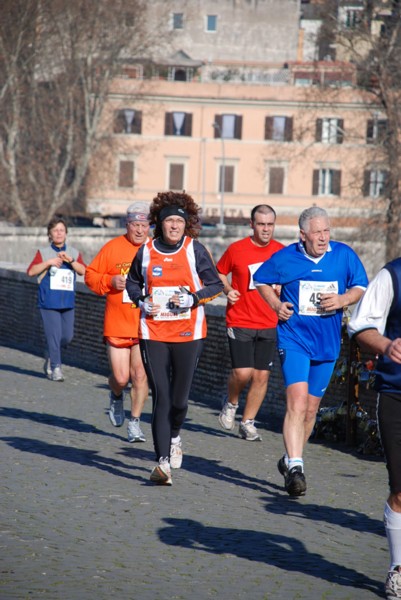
[[310, 293]]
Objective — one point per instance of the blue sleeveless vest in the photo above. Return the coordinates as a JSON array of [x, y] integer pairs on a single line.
[[388, 373]]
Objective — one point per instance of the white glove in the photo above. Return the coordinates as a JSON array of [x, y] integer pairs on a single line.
[[185, 300], [146, 306]]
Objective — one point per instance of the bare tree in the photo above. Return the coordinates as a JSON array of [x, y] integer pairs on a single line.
[[57, 61], [369, 38]]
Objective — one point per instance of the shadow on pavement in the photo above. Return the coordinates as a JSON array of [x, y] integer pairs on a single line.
[[55, 420], [343, 517], [86, 458], [19, 371], [286, 553]]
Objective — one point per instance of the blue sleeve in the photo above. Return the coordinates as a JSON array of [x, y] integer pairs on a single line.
[[356, 271], [269, 271]]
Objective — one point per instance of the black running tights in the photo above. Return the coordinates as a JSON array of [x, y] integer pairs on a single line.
[[170, 367]]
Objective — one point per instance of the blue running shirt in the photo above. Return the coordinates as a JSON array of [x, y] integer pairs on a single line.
[[308, 330]]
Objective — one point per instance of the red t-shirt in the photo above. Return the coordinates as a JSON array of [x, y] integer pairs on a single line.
[[241, 259]]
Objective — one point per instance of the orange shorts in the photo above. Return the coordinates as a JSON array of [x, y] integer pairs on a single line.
[[119, 342]]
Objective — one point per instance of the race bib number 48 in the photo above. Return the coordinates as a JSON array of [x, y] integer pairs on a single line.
[[310, 293]]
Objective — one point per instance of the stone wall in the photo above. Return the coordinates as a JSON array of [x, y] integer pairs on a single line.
[[20, 327], [18, 245]]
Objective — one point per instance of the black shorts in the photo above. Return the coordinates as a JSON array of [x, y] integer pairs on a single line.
[[389, 420], [252, 348]]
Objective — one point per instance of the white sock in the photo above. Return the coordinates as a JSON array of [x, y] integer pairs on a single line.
[[176, 439], [392, 525], [296, 462]]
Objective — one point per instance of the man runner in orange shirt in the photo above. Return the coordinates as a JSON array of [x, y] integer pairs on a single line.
[[106, 275]]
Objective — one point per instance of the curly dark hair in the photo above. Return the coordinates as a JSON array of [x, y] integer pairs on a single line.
[[175, 199]]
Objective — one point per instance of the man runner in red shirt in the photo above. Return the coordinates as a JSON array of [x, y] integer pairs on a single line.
[[251, 323]]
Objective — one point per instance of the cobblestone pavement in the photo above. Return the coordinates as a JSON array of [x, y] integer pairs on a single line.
[[80, 519]]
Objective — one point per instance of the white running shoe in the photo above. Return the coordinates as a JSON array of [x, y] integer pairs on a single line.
[[176, 455], [116, 410], [248, 431], [134, 431], [47, 368], [57, 374], [227, 415], [393, 584], [161, 474]]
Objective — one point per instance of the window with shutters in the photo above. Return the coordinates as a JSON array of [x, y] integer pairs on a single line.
[[278, 129], [226, 178], [178, 20], [276, 180], [330, 131], [326, 182], [128, 121], [228, 127], [176, 176], [126, 174], [178, 123], [376, 131], [375, 183], [211, 23]]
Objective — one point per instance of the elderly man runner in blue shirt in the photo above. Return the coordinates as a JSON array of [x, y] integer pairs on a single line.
[[318, 278]]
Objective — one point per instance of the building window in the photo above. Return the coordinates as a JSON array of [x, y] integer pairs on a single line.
[[211, 23], [375, 183], [276, 180], [228, 172], [278, 129], [326, 182], [376, 131], [178, 20], [126, 174], [128, 121], [129, 19], [330, 131], [178, 123], [228, 127], [351, 17], [176, 176]]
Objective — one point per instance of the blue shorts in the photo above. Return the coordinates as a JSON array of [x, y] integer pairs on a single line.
[[298, 367]]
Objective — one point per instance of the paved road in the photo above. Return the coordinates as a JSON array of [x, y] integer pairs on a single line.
[[80, 520]]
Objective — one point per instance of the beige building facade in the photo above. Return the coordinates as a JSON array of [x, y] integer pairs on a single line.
[[234, 130], [234, 146]]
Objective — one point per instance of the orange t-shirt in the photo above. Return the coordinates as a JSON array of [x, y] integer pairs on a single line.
[[121, 318]]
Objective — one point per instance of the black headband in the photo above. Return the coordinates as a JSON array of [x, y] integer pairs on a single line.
[[173, 210]]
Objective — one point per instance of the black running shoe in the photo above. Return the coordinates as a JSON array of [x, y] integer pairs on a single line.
[[295, 482], [282, 467]]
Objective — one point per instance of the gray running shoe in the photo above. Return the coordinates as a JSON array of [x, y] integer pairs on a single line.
[[393, 584], [134, 431], [161, 475], [176, 455], [47, 368], [57, 374], [116, 410], [295, 482], [248, 431], [282, 467], [227, 415]]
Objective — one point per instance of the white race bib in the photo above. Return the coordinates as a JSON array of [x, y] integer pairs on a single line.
[[309, 297], [252, 269], [61, 279], [161, 296], [126, 298]]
